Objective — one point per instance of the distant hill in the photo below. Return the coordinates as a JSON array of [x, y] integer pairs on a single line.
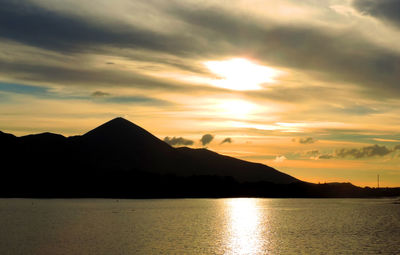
[[121, 159]]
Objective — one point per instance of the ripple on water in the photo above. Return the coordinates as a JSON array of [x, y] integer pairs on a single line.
[[200, 226]]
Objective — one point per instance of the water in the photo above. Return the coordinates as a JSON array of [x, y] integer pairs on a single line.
[[199, 226]]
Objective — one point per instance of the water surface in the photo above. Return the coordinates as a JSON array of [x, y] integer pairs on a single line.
[[200, 226]]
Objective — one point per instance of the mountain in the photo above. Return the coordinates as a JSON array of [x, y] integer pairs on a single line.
[[121, 159], [121, 144], [211, 163], [119, 154]]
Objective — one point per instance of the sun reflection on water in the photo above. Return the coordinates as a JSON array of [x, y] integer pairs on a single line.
[[245, 228]]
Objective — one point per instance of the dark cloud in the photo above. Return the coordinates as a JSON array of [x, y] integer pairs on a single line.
[[75, 76], [40, 26], [78, 76], [325, 156], [341, 56], [364, 152], [316, 154], [226, 140], [32, 24], [357, 153], [99, 93], [388, 10], [178, 141], [307, 140], [139, 100], [304, 140], [206, 139], [337, 56]]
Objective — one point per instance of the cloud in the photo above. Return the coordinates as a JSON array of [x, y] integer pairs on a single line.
[[326, 156], [316, 154], [74, 76], [364, 152], [207, 30], [178, 141], [99, 93], [312, 153], [226, 140], [56, 44], [33, 24], [342, 56], [304, 140], [387, 10], [206, 139], [280, 159], [307, 140], [139, 99], [357, 153], [65, 31]]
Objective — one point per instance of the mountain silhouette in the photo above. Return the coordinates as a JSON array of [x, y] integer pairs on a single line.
[[121, 159], [120, 143], [123, 133]]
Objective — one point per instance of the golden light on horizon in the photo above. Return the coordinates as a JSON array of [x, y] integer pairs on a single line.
[[241, 74]]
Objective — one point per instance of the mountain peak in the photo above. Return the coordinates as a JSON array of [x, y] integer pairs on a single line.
[[119, 121], [115, 126], [121, 132]]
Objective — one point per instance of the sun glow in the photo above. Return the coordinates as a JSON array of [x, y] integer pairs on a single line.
[[241, 74], [237, 109], [245, 227]]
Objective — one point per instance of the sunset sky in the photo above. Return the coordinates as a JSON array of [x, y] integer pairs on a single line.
[[309, 87]]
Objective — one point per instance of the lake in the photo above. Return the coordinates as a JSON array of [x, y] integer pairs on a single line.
[[199, 226]]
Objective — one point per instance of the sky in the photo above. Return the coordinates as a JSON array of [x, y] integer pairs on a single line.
[[309, 87]]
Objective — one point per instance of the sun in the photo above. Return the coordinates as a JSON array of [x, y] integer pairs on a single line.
[[241, 74], [237, 108]]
